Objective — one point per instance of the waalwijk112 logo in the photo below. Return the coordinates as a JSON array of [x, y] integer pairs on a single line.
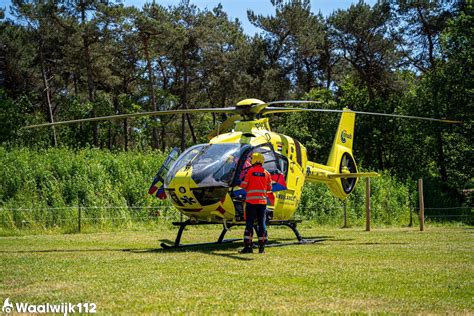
[[7, 306], [62, 308]]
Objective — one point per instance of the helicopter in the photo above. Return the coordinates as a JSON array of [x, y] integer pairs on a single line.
[[203, 181]]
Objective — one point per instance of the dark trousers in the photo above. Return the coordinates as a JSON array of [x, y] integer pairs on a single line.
[[253, 211]]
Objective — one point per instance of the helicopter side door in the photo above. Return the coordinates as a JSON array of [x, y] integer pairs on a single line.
[[275, 164]]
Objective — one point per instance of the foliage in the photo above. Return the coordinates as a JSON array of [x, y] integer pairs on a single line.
[[70, 60], [44, 188], [390, 203]]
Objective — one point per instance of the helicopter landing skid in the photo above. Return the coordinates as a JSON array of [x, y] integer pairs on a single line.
[[182, 225]]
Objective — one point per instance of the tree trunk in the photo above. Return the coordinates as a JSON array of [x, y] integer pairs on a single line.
[[184, 100], [125, 134], [163, 137], [191, 128], [328, 74], [75, 84], [429, 36], [441, 157], [380, 156], [151, 84], [49, 111], [90, 77], [183, 133]]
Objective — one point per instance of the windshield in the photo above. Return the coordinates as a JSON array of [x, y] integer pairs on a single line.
[[212, 164]]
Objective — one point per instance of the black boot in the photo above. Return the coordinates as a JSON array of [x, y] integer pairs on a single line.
[[247, 249], [261, 248]]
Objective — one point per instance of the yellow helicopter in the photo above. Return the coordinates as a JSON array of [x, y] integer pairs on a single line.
[[203, 182]]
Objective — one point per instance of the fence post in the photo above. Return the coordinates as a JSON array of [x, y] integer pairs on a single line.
[[422, 204], [367, 204], [355, 205], [411, 213], [79, 215], [345, 214]]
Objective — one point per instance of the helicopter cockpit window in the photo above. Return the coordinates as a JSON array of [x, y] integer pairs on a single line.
[[212, 164], [274, 163], [182, 161]]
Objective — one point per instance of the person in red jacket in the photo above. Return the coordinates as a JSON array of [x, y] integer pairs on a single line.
[[257, 184]]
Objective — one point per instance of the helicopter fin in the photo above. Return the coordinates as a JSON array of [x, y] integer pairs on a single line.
[[343, 140], [341, 159]]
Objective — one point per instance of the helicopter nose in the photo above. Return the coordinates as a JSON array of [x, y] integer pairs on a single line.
[[209, 196], [180, 192], [184, 197]]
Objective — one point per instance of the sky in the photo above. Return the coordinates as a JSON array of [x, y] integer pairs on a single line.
[[238, 8]]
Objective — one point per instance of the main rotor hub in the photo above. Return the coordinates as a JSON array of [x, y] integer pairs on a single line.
[[250, 108], [249, 102]]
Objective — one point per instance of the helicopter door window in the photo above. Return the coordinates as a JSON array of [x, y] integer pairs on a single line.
[[272, 164], [282, 164]]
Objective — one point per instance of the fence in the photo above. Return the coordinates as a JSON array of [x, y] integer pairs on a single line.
[[77, 216], [80, 216], [447, 216]]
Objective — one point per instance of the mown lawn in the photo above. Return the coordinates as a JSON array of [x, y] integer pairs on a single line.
[[348, 270]]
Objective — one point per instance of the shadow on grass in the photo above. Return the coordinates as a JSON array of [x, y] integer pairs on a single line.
[[214, 249], [211, 248], [207, 248], [378, 243]]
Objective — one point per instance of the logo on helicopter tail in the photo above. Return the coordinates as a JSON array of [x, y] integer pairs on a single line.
[[345, 135]]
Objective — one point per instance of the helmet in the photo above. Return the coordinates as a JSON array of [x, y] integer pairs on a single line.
[[257, 158]]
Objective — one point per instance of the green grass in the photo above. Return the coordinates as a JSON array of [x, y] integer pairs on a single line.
[[392, 270]]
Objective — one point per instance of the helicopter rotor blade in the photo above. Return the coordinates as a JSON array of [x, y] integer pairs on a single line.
[[225, 126], [258, 108], [274, 110], [293, 102], [121, 116], [261, 107]]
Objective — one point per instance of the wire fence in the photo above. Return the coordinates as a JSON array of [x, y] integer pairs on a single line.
[[77, 216], [23, 217]]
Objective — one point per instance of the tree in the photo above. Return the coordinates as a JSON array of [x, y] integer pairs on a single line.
[[420, 24], [296, 45], [361, 35], [449, 87], [39, 17]]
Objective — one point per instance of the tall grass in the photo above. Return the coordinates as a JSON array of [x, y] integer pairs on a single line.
[[390, 203], [44, 189]]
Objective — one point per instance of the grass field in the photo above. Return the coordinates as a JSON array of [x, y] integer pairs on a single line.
[[348, 270]]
